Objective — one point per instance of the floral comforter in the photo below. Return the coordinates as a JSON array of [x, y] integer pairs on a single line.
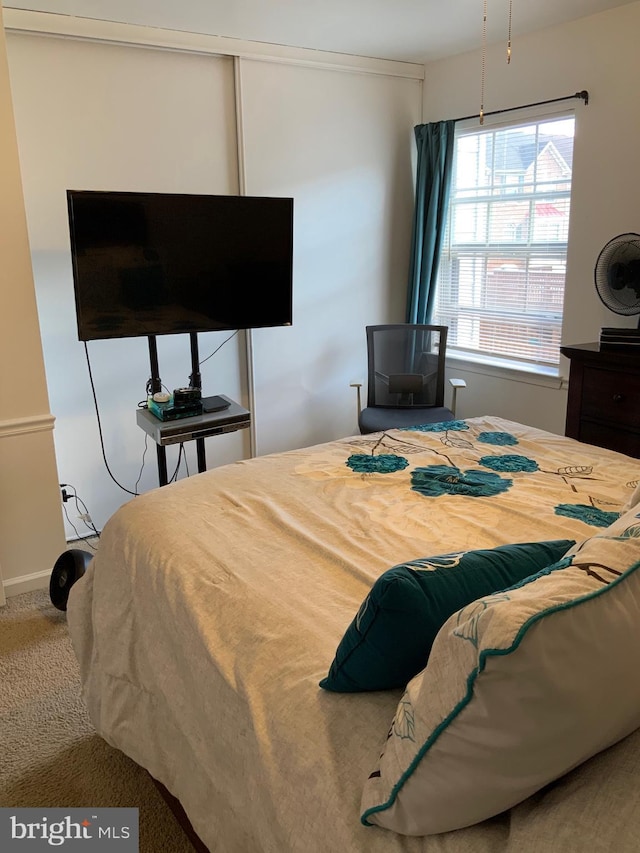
[[215, 605]]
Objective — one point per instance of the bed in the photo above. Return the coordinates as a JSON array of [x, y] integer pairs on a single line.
[[215, 607]]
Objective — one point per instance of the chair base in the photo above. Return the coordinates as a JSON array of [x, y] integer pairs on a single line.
[[380, 418]]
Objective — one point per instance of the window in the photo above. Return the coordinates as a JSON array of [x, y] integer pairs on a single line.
[[501, 277]]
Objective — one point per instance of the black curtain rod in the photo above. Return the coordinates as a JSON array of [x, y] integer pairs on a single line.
[[583, 95]]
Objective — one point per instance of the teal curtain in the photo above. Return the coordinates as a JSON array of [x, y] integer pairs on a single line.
[[433, 185]]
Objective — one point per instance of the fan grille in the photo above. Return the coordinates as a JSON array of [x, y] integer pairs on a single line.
[[617, 274]]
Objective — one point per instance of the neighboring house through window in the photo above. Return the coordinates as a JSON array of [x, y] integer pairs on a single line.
[[501, 277]]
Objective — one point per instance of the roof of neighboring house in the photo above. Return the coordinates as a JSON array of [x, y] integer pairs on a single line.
[[515, 152], [544, 208]]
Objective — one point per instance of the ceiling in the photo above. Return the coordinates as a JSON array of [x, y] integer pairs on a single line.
[[407, 30]]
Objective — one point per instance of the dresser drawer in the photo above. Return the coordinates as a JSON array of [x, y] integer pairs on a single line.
[[611, 437], [611, 396]]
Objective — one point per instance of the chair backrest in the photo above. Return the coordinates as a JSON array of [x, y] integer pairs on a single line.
[[406, 365]]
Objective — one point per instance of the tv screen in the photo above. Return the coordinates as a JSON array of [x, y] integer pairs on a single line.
[[162, 264]]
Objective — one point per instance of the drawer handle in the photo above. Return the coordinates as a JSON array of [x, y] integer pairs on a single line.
[[618, 398]]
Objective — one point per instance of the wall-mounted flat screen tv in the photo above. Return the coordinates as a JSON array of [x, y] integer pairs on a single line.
[[161, 263]]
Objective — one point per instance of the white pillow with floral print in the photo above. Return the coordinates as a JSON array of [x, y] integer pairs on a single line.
[[520, 688]]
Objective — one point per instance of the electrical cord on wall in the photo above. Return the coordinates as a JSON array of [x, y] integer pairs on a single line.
[[95, 403], [146, 441], [78, 534], [85, 517], [218, 347]]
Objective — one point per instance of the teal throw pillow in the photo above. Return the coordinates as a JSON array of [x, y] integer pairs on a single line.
[[390, 639]]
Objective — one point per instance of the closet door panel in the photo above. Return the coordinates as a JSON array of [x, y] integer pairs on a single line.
[[341, 144], [112, 117]]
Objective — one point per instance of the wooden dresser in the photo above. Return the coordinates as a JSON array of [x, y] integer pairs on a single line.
[[604, 397]]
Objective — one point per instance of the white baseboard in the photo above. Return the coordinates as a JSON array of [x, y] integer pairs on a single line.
[[27, 583], [40, 580]]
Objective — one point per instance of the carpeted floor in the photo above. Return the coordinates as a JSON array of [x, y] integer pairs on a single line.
[[50, 754]]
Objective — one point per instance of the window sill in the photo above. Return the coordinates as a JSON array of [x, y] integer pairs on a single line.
[[505, 368]]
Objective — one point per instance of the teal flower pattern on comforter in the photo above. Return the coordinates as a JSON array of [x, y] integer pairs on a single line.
[[436, 480], [440, 426], [509, 462], [498, 438], [384, 463], [588, 514]]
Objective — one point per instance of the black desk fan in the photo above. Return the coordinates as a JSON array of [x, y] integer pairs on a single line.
[[617, 280]]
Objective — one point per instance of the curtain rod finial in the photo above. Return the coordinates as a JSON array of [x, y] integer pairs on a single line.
[[584, 95]]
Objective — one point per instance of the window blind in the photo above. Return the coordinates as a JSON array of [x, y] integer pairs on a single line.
[[501, 279]]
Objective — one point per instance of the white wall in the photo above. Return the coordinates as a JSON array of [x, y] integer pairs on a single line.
[[336, 138], [597, 53], [341, 144], [31, 531]]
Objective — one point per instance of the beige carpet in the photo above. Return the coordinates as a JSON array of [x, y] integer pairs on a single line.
[[49, 753]]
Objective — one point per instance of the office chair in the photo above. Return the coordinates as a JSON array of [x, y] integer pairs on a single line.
[[405, 384]]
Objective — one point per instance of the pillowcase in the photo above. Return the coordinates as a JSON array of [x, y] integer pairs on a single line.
[[521, 687], [634, 500], [391, 636]]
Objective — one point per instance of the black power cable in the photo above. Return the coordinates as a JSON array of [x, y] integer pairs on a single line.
[[146, 438], [95, 403], [174, 477], [219, 347], [85, 516]]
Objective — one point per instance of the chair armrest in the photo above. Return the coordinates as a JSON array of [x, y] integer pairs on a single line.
[[455, 384], [357, 386]]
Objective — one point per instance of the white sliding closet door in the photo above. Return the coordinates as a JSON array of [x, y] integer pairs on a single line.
[[100, 116], [341, 145]]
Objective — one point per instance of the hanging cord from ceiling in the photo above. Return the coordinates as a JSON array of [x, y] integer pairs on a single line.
[[483, 63]]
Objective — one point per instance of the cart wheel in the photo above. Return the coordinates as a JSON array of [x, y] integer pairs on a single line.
[[68, 568]]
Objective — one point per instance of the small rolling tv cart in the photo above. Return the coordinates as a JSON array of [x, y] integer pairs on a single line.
[[233, 417], [191, 429]]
